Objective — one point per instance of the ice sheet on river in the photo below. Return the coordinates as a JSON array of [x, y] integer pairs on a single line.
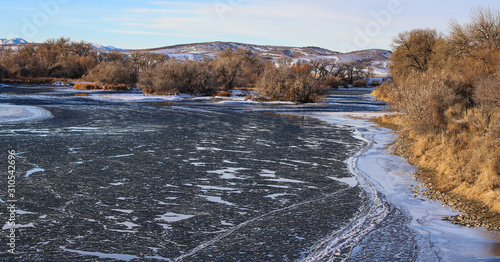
[[13, 113]]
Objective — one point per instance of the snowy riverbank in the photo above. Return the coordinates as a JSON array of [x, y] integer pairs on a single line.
[[436, 240]]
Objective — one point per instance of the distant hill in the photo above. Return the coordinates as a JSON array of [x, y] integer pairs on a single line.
[[378, 59], [107, 48], [212, 48]]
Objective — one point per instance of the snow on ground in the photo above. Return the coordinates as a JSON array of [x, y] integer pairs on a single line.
[[13, 113], [391, 175], [140, 97]]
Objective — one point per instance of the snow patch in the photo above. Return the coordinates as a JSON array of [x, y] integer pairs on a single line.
[[100, 254], [34, 170], [14, 113], [171, 217]]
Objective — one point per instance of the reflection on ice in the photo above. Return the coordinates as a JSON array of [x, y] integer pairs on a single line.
[[217, 200], [101, 255], [217, 188], [123, 211], [118, 156], [128, 224], [285, 180], [351, 181], [34, 170], [268, 173], [274, 196], [171, 217], [228, 173]]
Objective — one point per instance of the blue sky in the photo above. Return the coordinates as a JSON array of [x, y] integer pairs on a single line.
[[333, 24]]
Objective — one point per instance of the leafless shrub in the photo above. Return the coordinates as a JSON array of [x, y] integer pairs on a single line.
[[235, 68], [113, 73], [479, 39], [330, 81], [351, 72], [191, 77], [3, 72], [424, 98], [290, 83], [487, 92]]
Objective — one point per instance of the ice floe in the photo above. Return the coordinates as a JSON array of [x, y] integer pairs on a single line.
[[15, 113]]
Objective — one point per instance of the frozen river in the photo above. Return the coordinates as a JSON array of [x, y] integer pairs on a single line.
[[198, 181]]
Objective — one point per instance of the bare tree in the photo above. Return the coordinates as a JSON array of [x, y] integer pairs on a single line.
[[174, 77], [412, 51], [235, 68], [479, 39], [290, 82], [322, 67]]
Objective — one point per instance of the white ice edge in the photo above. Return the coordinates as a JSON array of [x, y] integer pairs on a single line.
[[34, 170], [141, 98], [14, 113], [392, 176], [122, 257]]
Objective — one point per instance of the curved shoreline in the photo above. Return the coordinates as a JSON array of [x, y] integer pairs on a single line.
[[390, 176], [14, 113]]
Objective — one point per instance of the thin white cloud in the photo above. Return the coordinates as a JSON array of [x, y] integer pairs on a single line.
[[138, 32], [272, 20], [322, 23]]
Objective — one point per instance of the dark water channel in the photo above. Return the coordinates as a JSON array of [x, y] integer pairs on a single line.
[[191, 181]]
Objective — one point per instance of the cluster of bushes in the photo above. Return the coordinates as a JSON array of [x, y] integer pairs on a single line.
[[175, 77], [290, 82], [157, 74], [346, 74], [285, 80], [113, 72], [62, 58], [59, 58], [448, 87]]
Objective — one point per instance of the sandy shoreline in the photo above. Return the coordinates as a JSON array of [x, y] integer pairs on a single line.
[[14, 113], [392, 176]]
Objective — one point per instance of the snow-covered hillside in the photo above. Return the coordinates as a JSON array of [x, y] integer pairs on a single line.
[[266, 51], [13, 41], [378, 59], [106, 48], [20, 41]]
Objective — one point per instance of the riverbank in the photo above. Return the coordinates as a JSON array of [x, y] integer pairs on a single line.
[[392, 176], [440, 172]]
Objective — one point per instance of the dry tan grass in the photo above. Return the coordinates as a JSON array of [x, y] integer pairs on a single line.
[[99, 86], [466, 158], [87, 86]]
